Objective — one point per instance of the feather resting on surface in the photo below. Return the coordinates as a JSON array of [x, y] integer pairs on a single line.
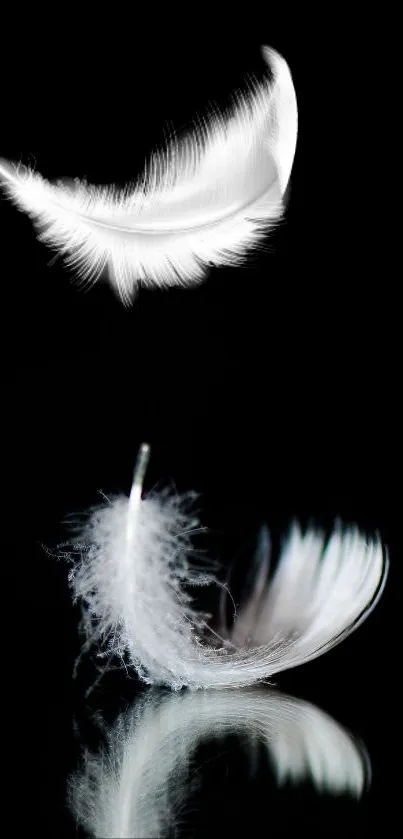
[[133, 573]]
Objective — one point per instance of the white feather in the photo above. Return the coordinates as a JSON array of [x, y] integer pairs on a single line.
[[134, 566], [138, 785], [202, 202]]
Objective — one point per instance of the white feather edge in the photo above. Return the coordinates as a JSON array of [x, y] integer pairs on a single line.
[[204, 201], [137, 785], [132, 567]]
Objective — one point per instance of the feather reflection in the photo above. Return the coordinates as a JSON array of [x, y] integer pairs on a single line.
[[138, 783]]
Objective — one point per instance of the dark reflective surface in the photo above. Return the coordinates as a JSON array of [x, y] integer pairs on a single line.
[[140, 780]]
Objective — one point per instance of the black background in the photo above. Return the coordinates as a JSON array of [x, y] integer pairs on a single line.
[[272, 389]]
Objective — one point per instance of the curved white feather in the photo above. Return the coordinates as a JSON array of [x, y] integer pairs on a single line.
[[203, 202], [135, 597], [138, 785]]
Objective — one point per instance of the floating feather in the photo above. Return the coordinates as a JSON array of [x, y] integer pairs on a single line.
[[204, 201], [132, 572], [137, 785]]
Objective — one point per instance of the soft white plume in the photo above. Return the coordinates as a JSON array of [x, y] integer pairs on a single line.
[[203, 201], [134, 567], [139, 783]]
